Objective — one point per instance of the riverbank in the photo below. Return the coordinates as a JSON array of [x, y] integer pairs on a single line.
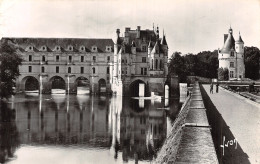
[[190, 140]]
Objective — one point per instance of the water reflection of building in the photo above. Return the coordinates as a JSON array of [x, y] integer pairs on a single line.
[[61, 122], [138, 133], [130, 131]]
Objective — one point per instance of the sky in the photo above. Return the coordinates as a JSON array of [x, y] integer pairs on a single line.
[[190, 26]]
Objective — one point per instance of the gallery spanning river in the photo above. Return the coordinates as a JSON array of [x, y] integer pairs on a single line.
[[83, 129]]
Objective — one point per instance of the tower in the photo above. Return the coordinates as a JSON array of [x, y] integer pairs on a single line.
[[165, 52], [239, 46], [231, 56]]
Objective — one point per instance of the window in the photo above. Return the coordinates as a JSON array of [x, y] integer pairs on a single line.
[[108, 71], [232, 64], [70, 48], [94, 58], [93, 70], [94, 48], [82, 58], [43, 69], [232, 53], [231, 73], [57, 58], [81, 69], [57, 48], [70, 58], [30, 48], [161, 64], [142, 131], [143, 59], [125, 60], [144, 48], [43, 58], [30, 57], [30, 68], [57, 69], [69, 69], [156, 64], [108, 49], [43, 48], [152, 64], [126, 72], [82, 48], [145, 71], [108, 58]]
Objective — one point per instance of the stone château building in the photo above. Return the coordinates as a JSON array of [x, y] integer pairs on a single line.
[[137, 60], [231, 56]]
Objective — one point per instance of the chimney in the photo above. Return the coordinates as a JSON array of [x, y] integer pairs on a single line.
[[225, 37], [138, 31], [118, 32], [127, 29]]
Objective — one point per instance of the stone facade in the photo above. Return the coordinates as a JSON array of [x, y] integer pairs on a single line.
[[70, 60], [140, 57], [100, 64], [231, 56]]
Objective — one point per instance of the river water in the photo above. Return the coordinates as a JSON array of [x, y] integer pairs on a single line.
[[83, 129]]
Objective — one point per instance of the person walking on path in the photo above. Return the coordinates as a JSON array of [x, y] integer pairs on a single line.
[[217, 88], [211, 88]]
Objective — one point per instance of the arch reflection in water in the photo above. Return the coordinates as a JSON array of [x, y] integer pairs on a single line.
[[127, 131]]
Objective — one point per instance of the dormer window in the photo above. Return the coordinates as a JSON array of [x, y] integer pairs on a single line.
[[57, 48], [94, 49], [30, 48], [70, 48], [232, 53], [44, 48], [82, 48], [108, 48]]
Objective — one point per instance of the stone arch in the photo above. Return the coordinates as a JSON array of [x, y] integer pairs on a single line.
[[57, 82], [135, 88], [83, 85], [30, 83], [102, 85]]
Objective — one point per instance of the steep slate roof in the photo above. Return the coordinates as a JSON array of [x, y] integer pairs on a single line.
[[64, 43], [229, 44], [240, 39], [163, 42]]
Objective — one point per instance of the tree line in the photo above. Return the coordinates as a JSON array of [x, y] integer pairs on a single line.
[[205, 64]]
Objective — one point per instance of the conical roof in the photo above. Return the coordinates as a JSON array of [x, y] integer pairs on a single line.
[[163, 41], [229, 44], [239, 39]]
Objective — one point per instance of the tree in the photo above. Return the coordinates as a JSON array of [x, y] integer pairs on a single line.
[[252, 59], [9, 67], [176, 66]]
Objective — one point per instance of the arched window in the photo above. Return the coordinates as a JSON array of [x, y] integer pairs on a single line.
[[161, 64], [156, 64], [69, 69], [93, 70], [43, 58], [43, 69], [152, 64]]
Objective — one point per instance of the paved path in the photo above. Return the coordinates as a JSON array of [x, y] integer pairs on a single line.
[[243, 118]]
